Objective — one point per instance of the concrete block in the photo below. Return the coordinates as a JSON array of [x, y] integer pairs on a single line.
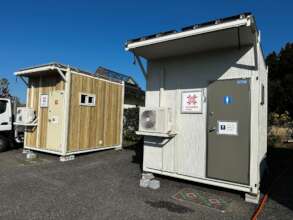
[[144, 183], [119, 148], [148, 176], [67, 158], [154, 184], [31, 155], [25, 151], [252, 198]]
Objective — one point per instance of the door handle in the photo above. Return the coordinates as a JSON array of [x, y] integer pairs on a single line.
[[212, 129]]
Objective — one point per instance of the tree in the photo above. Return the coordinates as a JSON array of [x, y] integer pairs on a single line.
[[281, 80], [4, 88]]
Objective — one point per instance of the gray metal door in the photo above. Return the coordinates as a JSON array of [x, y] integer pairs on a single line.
[[228, 144]]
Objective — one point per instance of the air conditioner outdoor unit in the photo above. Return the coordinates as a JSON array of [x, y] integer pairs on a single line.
[[155, 120], [25, 115]]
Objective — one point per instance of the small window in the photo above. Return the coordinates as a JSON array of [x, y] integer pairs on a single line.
[[262, 95], [87, 99], [82, 99], [3, 104], [91, 100]]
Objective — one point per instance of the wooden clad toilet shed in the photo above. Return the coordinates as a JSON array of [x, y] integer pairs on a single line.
[[75, 111], [205, 118]]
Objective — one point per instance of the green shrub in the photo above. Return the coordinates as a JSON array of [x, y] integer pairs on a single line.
[[273, 140], [283, 120], [130, 125]]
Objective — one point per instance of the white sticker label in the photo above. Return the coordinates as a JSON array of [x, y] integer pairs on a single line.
[[191, 101], [44, 100], [227, 128]]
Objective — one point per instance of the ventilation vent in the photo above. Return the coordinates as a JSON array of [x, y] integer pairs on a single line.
[[148, 119]]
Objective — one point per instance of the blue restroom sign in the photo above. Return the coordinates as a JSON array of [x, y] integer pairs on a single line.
[[227, 100]]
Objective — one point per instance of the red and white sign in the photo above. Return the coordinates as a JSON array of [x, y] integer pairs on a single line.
[[191, 101]]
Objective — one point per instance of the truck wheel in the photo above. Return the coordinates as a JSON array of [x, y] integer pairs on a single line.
[[4, 144]]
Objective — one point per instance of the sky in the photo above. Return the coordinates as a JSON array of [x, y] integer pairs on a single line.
[[87, 33]]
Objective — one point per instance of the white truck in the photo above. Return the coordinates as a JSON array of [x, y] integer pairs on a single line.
[[10, 135]]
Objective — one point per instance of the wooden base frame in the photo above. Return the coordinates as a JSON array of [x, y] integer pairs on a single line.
[[72, 153]]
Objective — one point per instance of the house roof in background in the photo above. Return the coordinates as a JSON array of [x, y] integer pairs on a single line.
[[115, 76], [101, 72]]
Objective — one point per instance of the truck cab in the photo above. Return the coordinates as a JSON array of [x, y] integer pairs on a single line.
[[5, 115], [10, 136]]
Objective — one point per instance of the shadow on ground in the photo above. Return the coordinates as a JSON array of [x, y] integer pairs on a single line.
[[279, 178], [279, 174], [137, 158], [170, 206], [138, 149]]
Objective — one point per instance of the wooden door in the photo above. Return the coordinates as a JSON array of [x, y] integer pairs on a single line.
[[55, 120]]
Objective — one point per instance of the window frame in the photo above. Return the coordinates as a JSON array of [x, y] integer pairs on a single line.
[[262, 101], [87, 96], [3, 109]]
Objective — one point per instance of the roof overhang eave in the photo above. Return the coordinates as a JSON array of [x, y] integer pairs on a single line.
[[28, 72], [39, 70], [247, 21]]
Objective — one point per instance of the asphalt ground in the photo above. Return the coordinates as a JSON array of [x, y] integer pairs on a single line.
[[105, 185]]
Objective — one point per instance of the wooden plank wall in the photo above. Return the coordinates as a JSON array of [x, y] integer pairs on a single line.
[[37, 136], [97, 126]]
